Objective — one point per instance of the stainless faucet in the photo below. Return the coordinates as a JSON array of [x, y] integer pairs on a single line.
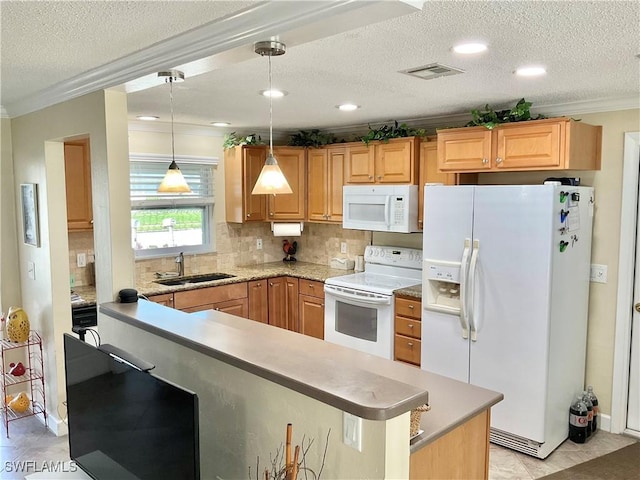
[[180, 264]]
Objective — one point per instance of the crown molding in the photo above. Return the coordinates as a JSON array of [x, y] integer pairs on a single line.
[[243, 28]]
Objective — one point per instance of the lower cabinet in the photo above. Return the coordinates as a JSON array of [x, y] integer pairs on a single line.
[[230, 298], [258, 301], [165, 299], [463, 453], [312, 308], [408, 330], [283, 302]]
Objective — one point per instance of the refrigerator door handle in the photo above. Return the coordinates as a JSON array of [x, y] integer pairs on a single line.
[[472, 287], [464, 267]]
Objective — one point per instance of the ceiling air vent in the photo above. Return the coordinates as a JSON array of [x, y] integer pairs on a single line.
[[433, 70]]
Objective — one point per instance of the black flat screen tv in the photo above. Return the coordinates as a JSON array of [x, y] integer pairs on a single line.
[[126, 423]]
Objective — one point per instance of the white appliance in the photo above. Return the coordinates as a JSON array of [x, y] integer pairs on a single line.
[[505, 296], [381, 208], [359, 308]]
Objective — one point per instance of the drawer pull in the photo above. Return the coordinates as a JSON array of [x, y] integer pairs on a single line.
[[410, 325], [409, 344], [411, 307], [310, 286]]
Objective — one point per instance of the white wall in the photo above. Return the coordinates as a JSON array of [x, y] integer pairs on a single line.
[[9, 278], [38, 153]]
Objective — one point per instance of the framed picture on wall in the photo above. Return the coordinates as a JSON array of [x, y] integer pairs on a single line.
[[30, 220]]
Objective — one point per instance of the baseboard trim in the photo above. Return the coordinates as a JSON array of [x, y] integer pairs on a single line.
[[57, 426], [604, 422]]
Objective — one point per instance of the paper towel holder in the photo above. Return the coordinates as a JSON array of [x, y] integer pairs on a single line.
[[286, 233]]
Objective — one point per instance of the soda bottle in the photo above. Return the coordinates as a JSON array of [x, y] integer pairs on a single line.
[[587, 401], [578, 421], [596, 410]]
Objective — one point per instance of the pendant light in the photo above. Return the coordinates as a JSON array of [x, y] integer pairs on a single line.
[[271, 179], [173, 181]]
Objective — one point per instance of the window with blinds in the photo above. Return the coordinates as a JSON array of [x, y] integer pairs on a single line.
[[167, 224]]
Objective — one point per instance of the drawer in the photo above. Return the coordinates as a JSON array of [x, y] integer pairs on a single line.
[[408, 327], [407, 349], [408, 307], [312, 288], [206, 296]]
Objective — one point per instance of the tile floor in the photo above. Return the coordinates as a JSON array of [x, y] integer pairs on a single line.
[[29, 441]]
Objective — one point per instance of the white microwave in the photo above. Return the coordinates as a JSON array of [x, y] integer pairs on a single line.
[[381, 208]]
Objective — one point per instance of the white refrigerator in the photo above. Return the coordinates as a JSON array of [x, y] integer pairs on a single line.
[[505, 298]]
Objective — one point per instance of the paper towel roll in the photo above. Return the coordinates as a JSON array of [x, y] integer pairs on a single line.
[[287, 229]]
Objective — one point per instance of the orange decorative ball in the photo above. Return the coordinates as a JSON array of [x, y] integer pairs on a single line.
[[17, 325]]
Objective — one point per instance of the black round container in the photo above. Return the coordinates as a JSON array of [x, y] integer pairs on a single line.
[[128, 295]]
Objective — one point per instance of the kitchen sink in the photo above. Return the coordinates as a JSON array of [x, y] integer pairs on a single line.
[[209, 277]]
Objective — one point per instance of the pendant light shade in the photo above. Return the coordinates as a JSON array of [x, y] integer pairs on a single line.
[[173, 181], [271, 179]]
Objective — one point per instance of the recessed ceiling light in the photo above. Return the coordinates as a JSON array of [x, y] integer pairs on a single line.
[[347, 107], [469, 48], [273, 93], [531, 71], [147, 117], [220, 124]]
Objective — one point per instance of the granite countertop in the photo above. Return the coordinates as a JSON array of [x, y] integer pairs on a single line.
[[368, 386], [307, 271]]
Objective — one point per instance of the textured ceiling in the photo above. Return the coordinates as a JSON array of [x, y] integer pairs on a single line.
[[588, 48]]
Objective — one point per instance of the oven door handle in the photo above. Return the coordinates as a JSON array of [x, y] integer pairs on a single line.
[[358, 298]]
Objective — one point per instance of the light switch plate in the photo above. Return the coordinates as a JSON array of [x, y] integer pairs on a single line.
[[31, 270], [81, 260], [343, 247], [598, 273]]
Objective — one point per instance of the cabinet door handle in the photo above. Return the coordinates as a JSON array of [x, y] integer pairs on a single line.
[[217, 308], [498, 160], [485, 161], [410, 325], [248, 215], [271, 284], [409, 344], [259, 285], [379, 177], [370, 177], [271, 214]]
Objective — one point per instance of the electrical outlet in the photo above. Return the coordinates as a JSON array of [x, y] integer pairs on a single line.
[[352, 431], [598, 273], [81, 260], [259, 243], [343, 247]]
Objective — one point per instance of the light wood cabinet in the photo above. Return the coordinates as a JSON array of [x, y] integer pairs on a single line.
[[394, 162], [462, 454], [258, 301], [292, 162], [283, 302], [230, 298], [312, 308], [408, 330], [429, 173], [77, 172], [242, 166], [325, 178], [551, 144], [165, 299]]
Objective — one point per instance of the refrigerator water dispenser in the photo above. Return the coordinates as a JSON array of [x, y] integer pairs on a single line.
[[443, 286]]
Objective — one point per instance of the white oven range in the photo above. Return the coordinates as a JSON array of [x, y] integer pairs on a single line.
[[359, 308]]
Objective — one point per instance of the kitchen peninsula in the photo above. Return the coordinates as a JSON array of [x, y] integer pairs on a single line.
[[253, 379]]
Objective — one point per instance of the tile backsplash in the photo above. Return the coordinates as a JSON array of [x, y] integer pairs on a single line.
[[236, 246], [81, 242]]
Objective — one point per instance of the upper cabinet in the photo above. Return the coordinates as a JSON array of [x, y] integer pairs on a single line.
[[391, 162], [242, 166], [550, 144], [429, 173], [325, 178], [289, 206], [77, 172]]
